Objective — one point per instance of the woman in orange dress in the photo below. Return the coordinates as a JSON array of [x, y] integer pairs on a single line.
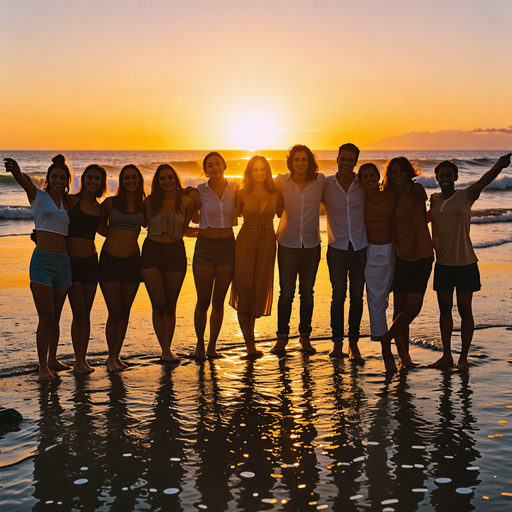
[[258, 201]]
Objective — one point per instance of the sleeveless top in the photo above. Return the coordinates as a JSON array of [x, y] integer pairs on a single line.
[[215, 212], [47, 216], [81, 224], [131, 221], [158, 225]]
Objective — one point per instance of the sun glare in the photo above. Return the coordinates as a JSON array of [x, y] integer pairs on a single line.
[[252, 130]]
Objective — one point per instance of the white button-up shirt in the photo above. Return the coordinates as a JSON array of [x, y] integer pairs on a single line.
[[215, 212], [299, 225], [345, 214]]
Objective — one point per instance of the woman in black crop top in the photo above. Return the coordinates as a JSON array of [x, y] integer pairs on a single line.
[[119, 273], [85, 215]]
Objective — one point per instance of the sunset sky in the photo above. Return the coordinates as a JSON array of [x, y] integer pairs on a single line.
[[257, 74]]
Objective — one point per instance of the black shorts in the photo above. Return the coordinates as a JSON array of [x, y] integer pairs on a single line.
[[169, 257], [465, 279], [124, 270], [215, 252], [412, 276], [85, 270]]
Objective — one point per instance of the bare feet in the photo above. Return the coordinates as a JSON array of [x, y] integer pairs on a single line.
[[56, 365], [406, 364], [213, 354], [307, 348], [45, 374], [387, 356], [444, 362], [112, 365], [253, 356], [462, 364], [280, 346], [337, 350], [170, 357], [82, 368], [353, 352], [200, 353], [121, 364]]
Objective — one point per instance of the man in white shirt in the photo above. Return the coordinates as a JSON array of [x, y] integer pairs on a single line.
[[344, 200], [298, 237]]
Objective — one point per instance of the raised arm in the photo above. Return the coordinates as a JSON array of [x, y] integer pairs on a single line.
[[489, 176], [23, 180]]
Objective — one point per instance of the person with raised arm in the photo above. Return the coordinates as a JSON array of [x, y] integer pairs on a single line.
[[214, 255], [258, 201], [456, 262], [344, 201], [50, 268], [414, 253], [120, 269], [85, 215], [380, 262], [168, 212], [298, 237]]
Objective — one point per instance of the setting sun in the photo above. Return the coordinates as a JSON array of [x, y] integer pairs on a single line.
[[252, 129]]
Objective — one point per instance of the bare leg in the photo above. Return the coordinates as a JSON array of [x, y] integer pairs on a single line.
[[173, 283], [387, 356], [353, 352], [49, 304], [203, 278], [223, 277], [246, 321], [445, 301], [464, 305]]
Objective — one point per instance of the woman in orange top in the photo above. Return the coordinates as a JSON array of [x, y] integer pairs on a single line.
[[414, 254]]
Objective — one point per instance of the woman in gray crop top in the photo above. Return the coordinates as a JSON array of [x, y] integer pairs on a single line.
[[119, 272], [164, 262], [85, 214], [50, 269], [214, 255]]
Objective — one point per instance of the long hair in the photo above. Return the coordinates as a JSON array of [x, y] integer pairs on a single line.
[[248, 181], [312, 172], [157, 193], [120, 198], [369, 165], [410, 171], [102, 189], [210, 154], [59, 162]]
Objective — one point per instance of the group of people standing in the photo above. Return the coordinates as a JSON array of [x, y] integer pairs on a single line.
[[377, 234]]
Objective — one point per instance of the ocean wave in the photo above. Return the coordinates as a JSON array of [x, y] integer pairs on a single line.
[[491, 216], [500, 183], [15, 212], [492, 243]]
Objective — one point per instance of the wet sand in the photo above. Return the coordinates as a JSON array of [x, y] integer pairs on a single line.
[[282, 433]]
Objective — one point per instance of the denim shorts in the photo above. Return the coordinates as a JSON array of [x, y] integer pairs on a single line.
[[215, 252], [124, 270], [465, 278], [85, 270], [165, 257], [51, 269]]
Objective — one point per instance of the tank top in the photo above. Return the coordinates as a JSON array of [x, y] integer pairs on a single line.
[[82, 225], [174, 227], [131, 221], [215, 212], [47, 216]]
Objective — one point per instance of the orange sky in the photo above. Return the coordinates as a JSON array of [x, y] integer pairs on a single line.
[[261, 74]]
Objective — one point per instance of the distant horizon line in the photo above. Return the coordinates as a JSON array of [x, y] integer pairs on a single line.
[[256, 150]]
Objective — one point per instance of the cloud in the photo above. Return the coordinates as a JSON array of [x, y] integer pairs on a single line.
[[494, 130], [301, 130]]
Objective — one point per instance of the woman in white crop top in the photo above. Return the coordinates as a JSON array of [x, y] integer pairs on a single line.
[[214, 255], [50, 269], [164, 262]]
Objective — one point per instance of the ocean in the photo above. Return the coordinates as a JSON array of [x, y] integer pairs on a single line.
[[288, 433]]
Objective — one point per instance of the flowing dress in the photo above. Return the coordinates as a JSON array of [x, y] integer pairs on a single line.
[[255, 254]]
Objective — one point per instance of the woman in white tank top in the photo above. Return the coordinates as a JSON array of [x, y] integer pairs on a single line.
[[50, 268], [214, 256]]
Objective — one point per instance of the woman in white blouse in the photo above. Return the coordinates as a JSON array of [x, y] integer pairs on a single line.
[[214, 256]]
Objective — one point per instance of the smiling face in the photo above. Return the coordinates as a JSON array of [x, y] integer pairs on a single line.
[[446, 179], [92, 181], [300, 162], [167, 180], [369, 179], [399, 176], [131, 180], [58, 180], [214, 167], [346, 162], [259, 172]]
